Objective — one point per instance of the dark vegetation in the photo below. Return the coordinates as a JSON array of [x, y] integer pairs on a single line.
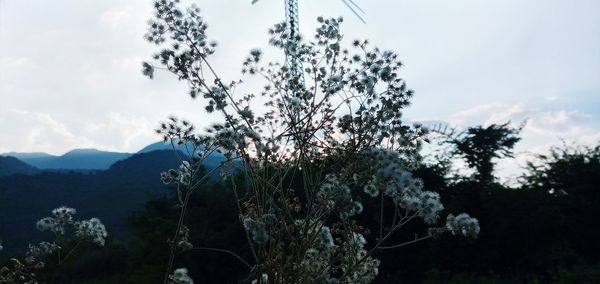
[[11, 165], [544, 229], [110, 195]]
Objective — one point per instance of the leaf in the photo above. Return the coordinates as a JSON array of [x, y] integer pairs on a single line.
[[147, 70]]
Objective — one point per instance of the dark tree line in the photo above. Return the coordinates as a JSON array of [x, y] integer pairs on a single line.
[[546, 229]]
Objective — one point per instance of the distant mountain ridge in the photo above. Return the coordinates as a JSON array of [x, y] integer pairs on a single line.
[[167, 146], [88, 159], [211, 161], [11, 165]]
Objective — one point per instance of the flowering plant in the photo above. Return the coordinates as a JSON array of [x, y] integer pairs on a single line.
[[324, 134], [37, 255]]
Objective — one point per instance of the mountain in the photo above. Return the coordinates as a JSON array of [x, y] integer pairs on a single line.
[[101, 184], [139, 166], [37, 159], [111, 195], [167, 146], [12, 165], [156, 146], [31, 155], [90, 159], [211, 161]]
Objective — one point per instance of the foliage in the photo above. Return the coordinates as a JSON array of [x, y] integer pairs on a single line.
[[532, 232], [562, 170], [215, 230], [480, 145], [59, 250], [110, 195]]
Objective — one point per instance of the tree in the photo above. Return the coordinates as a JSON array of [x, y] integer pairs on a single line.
[[566, 171], [480, 145], [570, 175]]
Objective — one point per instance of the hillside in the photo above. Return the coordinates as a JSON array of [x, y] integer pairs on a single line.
[[110, 195], [213, 160], [12, 165]]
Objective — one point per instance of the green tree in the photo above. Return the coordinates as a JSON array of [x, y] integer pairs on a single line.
[[480, 145]]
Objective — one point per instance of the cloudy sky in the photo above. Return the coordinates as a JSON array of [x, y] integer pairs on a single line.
[[70, 70]]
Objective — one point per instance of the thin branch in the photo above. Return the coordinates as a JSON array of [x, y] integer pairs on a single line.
[[221, 250], [406, 243]]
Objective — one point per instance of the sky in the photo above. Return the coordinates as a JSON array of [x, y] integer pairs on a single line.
[[70, 71]]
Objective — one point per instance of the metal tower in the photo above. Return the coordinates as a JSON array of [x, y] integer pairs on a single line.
[[292, 62]]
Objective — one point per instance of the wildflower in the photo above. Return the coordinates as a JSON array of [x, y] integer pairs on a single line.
[[293, 102], [358, 239], [430, 206], [36, 252], [180, 276], [184, 235], [371, 190], [246, 113], [463, 225], [255, 53], [336, 78], [91, 229], [257, 229], [62, 216], [326, 237], [50, 224]]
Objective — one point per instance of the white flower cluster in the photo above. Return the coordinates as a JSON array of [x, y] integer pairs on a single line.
[[36, 252], [92, 229], [334, 195], [62, 216], [180, 276], [183, 238], [463, 225], [304, 122], [426, 203], [363, 272], [246, 114], [326, 238], [293, 103], [399, 184], [232, 140], [182, 175], [258, 230], [316, 264]]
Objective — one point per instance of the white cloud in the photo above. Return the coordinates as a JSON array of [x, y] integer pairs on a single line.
[[461, 117], [125, 132], [32, 131], [546, 127], [36, 131], [79, 63], [115, 18], [10, 63], [542, 122]]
